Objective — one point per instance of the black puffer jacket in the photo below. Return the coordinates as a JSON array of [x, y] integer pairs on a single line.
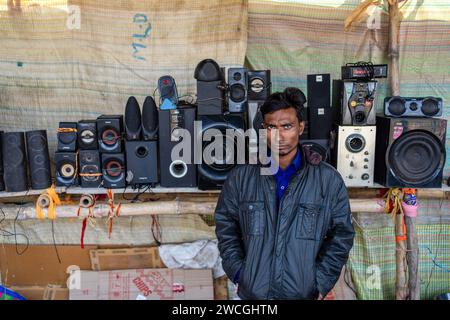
[[296, 252]]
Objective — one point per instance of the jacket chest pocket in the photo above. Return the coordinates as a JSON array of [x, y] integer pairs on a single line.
[[308, 217], [253, 217]]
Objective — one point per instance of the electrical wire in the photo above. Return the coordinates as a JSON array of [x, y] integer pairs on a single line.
[[54, 242]]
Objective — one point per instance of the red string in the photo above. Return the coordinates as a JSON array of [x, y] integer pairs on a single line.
[[83, 229]]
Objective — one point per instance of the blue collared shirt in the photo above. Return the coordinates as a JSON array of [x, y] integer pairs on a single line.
[[284, 177]]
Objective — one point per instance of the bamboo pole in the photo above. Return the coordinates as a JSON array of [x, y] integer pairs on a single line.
[[405, 251], [175, 207]]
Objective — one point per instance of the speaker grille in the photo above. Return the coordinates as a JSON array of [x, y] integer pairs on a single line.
[[397, 106], [39, 159], [430, 107], [416, 157], [14, 161]]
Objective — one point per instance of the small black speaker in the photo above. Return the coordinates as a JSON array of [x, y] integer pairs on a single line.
[[150, 119], [87, 135], [320, 122], [2, 183], [237, 84], [176, 171], [67, 137], [412, 107], [142, 162], [109, 131], [133, 122], [89, 168], [259, 85], [38, 159], [318, 91], [113, 170], [66, 169], [168, 89], [210, 88], [14, 162]]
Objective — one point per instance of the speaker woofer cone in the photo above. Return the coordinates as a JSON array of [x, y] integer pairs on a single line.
[[178, 169], [397, 106], [237, 93], [110, 137], [87, 137], [416, 157], [113, 168], [430, 107], [355, 143], [67, 170]]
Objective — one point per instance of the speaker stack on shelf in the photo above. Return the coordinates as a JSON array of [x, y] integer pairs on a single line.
[[141, 146], [177, 168], [320, 115], [259, 88], [214, 168], [14, 162], [66, 158], [355, 134], [410, 151]]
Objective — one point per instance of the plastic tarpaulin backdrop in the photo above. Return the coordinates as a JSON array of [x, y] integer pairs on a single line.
[[69, 60]]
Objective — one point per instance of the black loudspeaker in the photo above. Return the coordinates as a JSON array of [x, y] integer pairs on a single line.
[[410, 152], [14, 162], [318, 91], [150, 119], [179, 171], [2, 183], [89, 168], [214, 169], [133, 122], [113, 170], [66, 169], [259, 85], [67, 137], [318, 146], [38, 159], [357, 99], [109, 131], [320, 122], [168, 89], [142, 162], [210, 88], [412, 107], [237, 86], [87, 135]]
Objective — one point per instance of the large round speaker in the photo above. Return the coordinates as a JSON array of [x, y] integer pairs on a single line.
[[216, 166], [430, 107], [38, 159], [14, 161], [416, 157]]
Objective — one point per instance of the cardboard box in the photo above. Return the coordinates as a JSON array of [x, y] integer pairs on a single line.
[[39, 265], [127, 258], [144, 284], [50, 292]]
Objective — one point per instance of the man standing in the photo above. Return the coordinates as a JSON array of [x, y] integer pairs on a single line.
[[287, 235]]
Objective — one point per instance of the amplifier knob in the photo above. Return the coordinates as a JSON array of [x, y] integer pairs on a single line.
[[365, 176]]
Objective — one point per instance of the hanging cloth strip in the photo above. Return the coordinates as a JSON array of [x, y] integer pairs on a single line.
[[393, 205], [49, 199], [113, 210]]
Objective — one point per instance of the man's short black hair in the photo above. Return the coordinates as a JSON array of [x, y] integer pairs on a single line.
[[289, 98]]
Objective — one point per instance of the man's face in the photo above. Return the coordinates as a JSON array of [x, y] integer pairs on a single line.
[[289, 129]]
